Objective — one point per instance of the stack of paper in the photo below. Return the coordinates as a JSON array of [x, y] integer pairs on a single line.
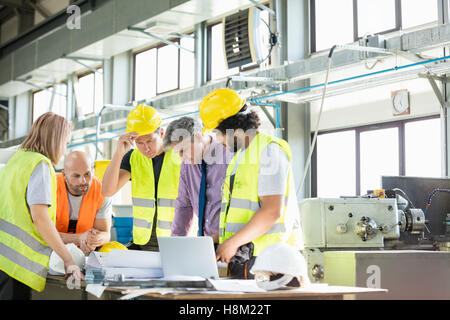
[[132, 264]]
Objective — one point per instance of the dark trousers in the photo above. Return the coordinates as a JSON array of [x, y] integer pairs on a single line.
[[11, 289]]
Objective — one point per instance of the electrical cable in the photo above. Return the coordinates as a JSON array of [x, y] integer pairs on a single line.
[[273, 40], [316, 131], [373, 65], [405, 196], [431, 195]]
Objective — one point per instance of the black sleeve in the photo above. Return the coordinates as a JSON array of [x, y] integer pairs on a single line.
[[125, 164]]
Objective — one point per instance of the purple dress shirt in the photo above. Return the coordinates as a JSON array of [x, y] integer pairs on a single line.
[[217, 159]]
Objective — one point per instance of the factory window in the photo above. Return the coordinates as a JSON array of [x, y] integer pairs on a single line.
[[347, 21], [336, 163], [352, 161], [47, 100], [423, 148], [217, 66], [187, 63], [376, 16], [164, 68], [329, 28], [145, 75], [167, 73], [379, 156], [90, 92], [418, 12]]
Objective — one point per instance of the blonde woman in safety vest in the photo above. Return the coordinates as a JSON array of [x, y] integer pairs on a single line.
[[154, 177], [28, 210], [259, 205]]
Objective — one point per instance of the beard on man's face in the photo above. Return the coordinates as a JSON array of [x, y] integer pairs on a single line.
[[80, 189]]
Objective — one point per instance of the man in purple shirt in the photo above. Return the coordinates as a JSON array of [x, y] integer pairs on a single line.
[[185, 136]]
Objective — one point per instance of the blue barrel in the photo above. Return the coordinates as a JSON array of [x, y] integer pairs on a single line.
[[124, 228]]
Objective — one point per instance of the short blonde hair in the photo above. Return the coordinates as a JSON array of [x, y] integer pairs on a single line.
[[48, 136]]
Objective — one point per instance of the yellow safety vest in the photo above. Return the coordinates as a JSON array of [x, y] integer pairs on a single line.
[[24, 255], [245, 200], [143, 195]]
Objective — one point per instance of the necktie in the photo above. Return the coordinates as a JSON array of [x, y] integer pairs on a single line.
[[202, 200]]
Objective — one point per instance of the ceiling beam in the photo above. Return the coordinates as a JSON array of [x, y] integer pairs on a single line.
[[13, 3], [39, 8], [6, 13]]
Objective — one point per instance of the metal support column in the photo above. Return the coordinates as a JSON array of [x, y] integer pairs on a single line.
[[443, 18], [200, 55], [70, 105], [292, 16]]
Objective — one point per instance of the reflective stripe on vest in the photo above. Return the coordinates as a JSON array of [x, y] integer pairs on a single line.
[[244, 204], [21, 235], [145, 203], [245, 200], [141, 223], [23, 261], [235, 227], [165, 225], [168, 203]]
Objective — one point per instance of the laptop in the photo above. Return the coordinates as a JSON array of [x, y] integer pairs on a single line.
[[188, 256]]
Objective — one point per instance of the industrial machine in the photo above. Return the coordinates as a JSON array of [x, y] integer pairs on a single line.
[[382, 239], [356, 222]]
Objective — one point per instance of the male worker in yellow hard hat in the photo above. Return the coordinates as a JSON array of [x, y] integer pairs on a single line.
[[154, 177], [83, 214], [259, 204]]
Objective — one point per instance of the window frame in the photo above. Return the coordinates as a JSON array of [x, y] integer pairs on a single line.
[[400, 124]]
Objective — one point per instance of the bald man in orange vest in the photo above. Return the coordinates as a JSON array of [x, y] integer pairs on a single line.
[[83, 214]]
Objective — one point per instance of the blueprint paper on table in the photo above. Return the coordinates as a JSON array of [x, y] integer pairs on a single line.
[[132, 259]]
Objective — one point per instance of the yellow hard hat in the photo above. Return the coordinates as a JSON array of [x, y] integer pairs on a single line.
[[219, 105], [107, 247], [143, 120]]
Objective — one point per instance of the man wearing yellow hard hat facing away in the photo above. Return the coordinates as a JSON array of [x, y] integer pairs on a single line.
[[154, 177], [259, 204]]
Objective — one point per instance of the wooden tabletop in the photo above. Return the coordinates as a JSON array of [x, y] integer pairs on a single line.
[[316, 291]]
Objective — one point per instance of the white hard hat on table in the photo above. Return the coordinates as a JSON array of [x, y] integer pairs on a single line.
[[56, 264], [278, 265]]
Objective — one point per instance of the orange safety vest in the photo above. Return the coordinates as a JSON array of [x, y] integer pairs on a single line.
[[91, 203]]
